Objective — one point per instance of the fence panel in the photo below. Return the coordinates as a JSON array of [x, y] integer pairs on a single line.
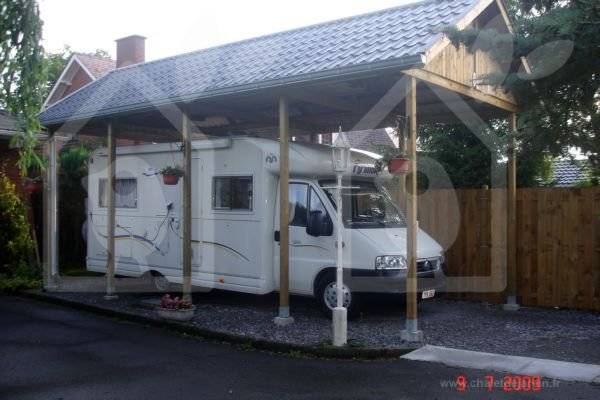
[[558, 234]]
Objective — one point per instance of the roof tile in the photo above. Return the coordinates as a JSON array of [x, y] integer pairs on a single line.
[[396, 36]]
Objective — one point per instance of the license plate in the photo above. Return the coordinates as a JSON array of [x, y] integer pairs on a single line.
[[427, 294]]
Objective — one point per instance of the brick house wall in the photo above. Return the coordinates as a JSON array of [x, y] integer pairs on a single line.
[[8, 166], [80, 79]]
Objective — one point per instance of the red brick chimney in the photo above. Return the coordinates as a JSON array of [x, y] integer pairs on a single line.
[[131, 50]]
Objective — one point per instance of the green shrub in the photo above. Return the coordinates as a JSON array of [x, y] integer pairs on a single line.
[[16, 245], [16, 283]]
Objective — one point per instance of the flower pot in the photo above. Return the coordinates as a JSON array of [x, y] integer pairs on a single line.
[[399, 165], [170, 179], [32, 186], [183, 314]]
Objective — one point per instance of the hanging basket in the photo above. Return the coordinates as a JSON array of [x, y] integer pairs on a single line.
[[170, 180], [33, 186], [399, 166]]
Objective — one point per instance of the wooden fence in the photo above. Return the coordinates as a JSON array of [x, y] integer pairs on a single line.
[[558, 235]]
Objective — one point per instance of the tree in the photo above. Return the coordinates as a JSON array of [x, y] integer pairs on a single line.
[[22, 73], [462, 154], [560, 99]]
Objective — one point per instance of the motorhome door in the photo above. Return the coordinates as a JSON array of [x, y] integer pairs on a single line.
[[308, 254]]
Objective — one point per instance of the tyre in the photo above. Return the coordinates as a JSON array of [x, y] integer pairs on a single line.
[[159, 282], [326, 296]]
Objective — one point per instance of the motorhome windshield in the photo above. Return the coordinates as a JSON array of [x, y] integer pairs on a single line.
[[365, 205]]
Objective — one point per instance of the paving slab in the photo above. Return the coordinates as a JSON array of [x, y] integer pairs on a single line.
[[567, 371]]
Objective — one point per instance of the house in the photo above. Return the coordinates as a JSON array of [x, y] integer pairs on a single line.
[[569, 172], [372, 140], [81, 69]]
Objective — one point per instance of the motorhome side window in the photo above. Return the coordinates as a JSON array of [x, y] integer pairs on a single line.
[[125, 193], [232, 193]]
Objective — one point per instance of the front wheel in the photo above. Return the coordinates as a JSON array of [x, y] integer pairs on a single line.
[[326, 295]]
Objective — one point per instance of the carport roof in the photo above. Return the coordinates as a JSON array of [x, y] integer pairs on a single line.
[[391, 38]]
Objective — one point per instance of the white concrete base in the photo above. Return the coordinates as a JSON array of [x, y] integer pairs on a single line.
[[510, 307], [53, 283], [283, 321], [511, 304], [340, 326], [567, 371], [411, 336]]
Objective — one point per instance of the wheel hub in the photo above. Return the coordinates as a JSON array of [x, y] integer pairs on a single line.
[[330, 295]]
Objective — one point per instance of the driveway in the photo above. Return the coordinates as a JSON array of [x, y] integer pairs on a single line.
[[565, 335], [51, 352]]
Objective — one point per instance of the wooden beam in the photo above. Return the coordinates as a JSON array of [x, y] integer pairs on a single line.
[[462, 89], [511, 223], [411, 206], [111, 223], [186, 205], [51, 274], [284, 259]]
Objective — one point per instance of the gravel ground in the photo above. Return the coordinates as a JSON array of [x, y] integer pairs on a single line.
[[534, 332]]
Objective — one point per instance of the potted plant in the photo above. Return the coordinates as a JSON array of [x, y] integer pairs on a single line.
[[395, 160], [171, 174], [175, 309]]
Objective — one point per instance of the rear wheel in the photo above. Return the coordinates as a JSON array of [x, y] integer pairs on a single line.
[[326, 295]]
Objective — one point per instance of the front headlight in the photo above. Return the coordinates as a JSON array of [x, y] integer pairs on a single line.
[[390, 262], [440, 262]]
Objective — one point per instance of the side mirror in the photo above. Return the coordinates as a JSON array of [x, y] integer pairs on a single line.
[[319, 224], [315, 220]]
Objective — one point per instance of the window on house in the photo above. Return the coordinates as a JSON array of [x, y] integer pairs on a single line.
[[125, 193], [232, 193]]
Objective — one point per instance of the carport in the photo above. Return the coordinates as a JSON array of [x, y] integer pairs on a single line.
[[359, 73]]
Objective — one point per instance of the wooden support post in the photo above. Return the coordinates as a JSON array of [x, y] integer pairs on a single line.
[[51, 274], [402, 133], [284, 260], [411, 332], [186, 205], [511, 223], [111, 223]]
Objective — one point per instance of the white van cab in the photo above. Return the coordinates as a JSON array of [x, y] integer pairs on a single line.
[[235, 228]]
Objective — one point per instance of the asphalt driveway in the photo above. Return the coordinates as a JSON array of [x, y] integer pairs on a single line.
[[51, 352]]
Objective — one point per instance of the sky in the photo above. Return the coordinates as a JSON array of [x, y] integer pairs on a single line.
[[178, 26]]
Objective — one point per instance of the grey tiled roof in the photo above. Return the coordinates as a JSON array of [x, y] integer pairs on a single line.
[[570, 172], [374, 140], [391, 38], [8, 123]]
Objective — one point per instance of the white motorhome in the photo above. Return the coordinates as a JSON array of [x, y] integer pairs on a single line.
[[235, 229]]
